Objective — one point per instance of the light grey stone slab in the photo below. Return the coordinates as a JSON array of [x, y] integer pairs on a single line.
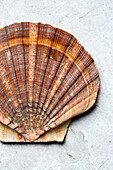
[[89, 142]]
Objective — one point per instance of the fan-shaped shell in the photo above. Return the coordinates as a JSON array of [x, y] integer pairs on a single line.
[[46, 78]]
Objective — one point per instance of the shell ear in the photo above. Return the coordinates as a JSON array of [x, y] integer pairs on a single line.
[[46, 78]]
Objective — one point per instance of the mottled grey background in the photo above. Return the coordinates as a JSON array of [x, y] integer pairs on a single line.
[[89, 142]]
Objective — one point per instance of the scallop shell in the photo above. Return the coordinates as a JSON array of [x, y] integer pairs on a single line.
[[46, 78]]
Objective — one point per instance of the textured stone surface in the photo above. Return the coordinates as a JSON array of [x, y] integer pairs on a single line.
[[89, 142]]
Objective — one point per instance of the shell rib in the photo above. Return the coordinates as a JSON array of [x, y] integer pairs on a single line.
[[46, 78]]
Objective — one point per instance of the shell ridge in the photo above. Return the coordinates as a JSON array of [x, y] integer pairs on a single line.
[[39, 108], [17, 52], [24, 34], [88, 100], [57, 90], [54, 86], [45, 71], [5, 69], [45, 64], [33, 29], [50, 108], [16, 82], [71, 90], [34, 105], [24, 63], [19, 112], [62, 81], [5, 82], [67, 101], [7, 108], [4, 105], [35, 82], [31, 59], [25, 38], [54, 73], [63, 118], [2, 92], [61, 112], [22, 69], [4, 117]]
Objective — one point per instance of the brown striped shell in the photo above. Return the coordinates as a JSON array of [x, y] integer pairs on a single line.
[[46, 78]]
